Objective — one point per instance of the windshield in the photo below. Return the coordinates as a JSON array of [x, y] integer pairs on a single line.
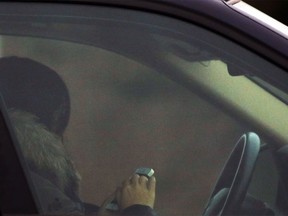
[[93, 95]]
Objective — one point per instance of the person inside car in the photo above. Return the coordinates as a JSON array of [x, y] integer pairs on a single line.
[[39, 108]]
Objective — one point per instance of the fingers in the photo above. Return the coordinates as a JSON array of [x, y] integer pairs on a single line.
[[141, 180], [134, 179], [152, 184]]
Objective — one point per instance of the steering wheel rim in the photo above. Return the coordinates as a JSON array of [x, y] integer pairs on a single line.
[[232, 184]]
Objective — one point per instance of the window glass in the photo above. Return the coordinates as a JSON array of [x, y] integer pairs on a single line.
[[93, 96]]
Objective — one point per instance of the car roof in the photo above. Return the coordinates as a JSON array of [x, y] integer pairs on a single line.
[[217, 15]]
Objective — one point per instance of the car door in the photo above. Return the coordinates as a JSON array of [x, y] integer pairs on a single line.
[[92, 91]]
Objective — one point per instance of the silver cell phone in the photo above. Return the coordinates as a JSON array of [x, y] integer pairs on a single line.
[[148, 172], [144, 171]]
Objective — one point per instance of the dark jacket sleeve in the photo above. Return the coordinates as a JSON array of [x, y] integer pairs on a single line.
[[52, 200], [138, 210]]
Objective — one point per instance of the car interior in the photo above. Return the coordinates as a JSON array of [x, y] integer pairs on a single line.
[[144, 90]]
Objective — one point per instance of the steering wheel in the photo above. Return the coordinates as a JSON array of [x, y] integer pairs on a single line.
[[232, 184]]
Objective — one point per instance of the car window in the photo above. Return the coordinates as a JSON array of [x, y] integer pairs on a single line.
[[93, 95]]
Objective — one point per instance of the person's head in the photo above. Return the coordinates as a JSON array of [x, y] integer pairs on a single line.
[[32, 87], [39, 107]]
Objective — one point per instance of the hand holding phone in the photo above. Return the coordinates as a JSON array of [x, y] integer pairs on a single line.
[[142, 171]]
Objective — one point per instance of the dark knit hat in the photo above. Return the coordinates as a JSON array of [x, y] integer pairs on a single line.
[[30, 86]]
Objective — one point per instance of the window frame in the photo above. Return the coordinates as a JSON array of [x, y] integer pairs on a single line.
[[26, 203]]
